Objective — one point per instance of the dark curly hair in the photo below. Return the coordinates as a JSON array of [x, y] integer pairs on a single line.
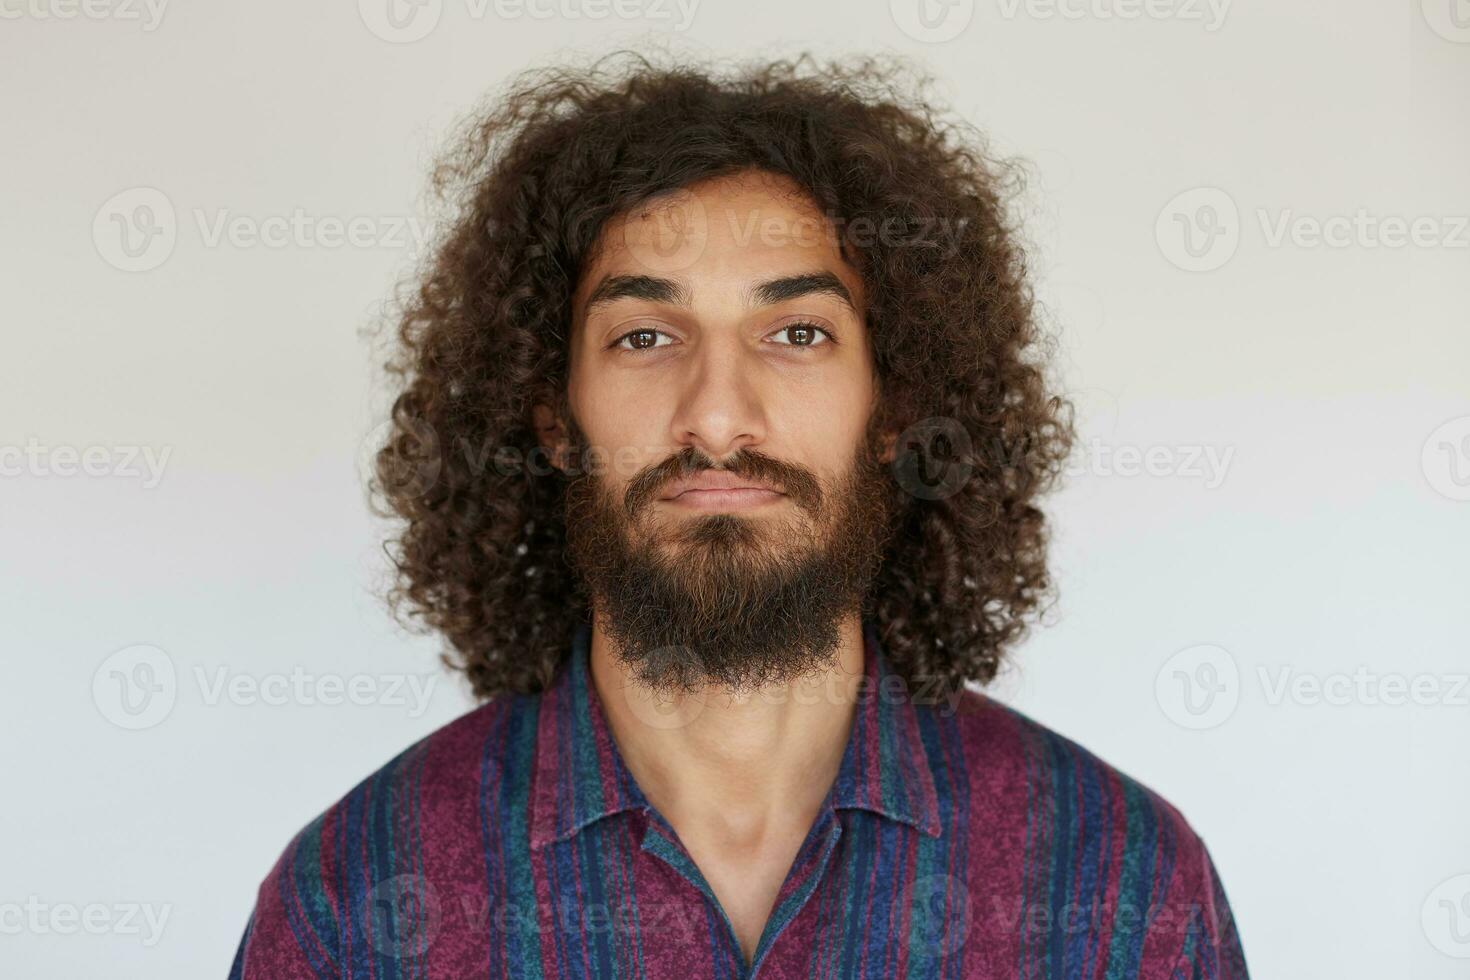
[[482, 336]]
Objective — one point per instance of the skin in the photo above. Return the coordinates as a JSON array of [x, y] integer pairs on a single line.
[[739, 775]]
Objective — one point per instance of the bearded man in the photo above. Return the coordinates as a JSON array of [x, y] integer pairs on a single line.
[[722, 432]]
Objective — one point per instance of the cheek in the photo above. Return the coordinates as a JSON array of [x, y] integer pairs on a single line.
[[622, 424], [837, 401], [823, 434]]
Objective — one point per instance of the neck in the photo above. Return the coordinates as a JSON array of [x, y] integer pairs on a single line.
[[742, 766]]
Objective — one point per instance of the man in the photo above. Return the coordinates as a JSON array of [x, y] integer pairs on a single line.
[[718, 455]]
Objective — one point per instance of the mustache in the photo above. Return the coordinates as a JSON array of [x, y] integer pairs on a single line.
[[795, 481]]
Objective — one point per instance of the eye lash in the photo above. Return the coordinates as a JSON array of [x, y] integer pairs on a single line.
[[830, 335], [616, 343]]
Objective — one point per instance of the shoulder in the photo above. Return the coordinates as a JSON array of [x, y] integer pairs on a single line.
[[1070, 824], [1013, 755], [423, 809]]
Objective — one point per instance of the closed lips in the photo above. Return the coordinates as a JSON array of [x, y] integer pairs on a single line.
[[714, 481]]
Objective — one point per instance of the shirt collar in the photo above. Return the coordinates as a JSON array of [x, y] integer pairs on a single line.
[[580, 776]]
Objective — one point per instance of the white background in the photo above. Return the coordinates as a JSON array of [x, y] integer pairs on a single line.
[[1331, 542]]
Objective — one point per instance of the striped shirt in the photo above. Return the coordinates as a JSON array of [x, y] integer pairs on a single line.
[[959, 839]]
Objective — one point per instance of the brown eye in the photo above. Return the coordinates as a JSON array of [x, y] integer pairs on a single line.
[[803, 335], [644, 338]]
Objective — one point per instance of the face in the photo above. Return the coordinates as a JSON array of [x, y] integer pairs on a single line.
[[737, 504]]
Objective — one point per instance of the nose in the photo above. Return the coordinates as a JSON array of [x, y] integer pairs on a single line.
[[720, 409]]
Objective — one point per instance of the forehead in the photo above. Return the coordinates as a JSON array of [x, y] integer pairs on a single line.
[[732, 230]]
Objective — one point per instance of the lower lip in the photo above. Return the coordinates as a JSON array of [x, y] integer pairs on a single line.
[[724, 499]]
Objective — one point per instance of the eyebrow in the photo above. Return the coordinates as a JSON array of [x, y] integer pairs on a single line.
[[658, 290]]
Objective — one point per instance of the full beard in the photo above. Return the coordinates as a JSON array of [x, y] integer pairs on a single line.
[[722, 598]]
